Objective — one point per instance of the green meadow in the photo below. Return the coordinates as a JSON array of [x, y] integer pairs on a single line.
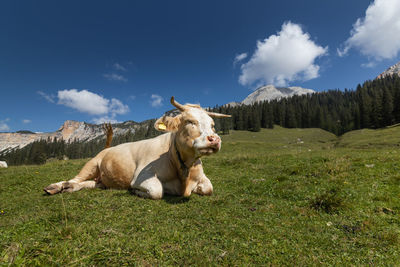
[[289, 197]]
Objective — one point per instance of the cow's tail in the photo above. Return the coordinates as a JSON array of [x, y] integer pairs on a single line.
[[108, 130]]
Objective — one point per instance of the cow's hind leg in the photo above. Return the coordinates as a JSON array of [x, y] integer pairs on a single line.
[[72, 187], [89, 171], [54, 188], [148, 187]]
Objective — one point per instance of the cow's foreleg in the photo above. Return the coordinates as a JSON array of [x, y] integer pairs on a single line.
[[148, 187], [204, 187], [197, 182], [188, 186]]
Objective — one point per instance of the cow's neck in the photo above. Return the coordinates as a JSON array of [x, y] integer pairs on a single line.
[[185, 161]]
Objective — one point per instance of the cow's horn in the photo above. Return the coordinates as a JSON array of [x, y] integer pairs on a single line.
[[218, 115], [177, 105]]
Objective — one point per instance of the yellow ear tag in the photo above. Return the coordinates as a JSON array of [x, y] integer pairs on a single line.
[[162, 126]]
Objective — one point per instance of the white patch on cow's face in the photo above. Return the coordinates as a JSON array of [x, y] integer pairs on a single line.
[[205, 127]]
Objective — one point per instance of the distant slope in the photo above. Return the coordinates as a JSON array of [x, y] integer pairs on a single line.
[[283, 138], [315, 138], [368, 138]]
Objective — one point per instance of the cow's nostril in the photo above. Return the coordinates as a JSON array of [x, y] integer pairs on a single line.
[[213, 139]]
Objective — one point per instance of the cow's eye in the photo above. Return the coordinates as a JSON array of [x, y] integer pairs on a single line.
[[191, 122]]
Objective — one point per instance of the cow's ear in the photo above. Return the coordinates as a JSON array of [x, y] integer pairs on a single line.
[[168, 124]]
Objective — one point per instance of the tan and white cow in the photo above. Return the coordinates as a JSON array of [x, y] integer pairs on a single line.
[[167, 164]]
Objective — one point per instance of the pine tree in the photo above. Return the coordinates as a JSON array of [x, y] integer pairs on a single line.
[[256, 121], [387, 107], [396, 102], [376, 110], [290, 119], [365, 108]]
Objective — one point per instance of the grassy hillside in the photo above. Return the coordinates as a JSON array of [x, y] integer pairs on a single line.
[[367, 138], [282, 197]]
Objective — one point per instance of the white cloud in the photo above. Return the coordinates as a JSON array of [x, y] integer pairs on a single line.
[[156, 100], [118, 66], [84, 101], [288, 56], [117, 107], [368, 65], [377, 34], [91, 103], [49, 98], [115, 77], [239, 58], [104, 119], [87, 102], [3, 125], [343, 52], [26, 121]]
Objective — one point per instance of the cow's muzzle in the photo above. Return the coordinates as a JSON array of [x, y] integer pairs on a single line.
[[214, 140], [213, 145]]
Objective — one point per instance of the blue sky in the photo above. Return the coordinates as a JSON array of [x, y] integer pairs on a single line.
[[122, 60]]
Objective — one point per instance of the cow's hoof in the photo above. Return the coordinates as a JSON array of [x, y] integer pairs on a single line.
[[51, 190], [54, 188], [69, 187]]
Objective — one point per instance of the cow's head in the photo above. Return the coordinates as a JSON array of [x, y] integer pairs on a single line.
[[194, 129]]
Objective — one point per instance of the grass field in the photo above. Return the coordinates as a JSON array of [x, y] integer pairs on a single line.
[[281, 197]]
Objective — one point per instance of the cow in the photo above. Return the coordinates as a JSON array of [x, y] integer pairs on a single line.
[[3, 164], [167, 164]]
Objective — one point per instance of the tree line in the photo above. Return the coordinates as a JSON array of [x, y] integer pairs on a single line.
[[374, 104]]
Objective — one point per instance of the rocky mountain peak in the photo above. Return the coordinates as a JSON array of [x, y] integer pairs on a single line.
[[270, 92], [69, 127], [392, 70], [68, 124]]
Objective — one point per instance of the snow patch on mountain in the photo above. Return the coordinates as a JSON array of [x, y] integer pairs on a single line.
[[270, 92]]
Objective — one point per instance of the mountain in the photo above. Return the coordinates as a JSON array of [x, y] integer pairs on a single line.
[[69, 131], [270, 92], [233, 104], [393, 70]]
